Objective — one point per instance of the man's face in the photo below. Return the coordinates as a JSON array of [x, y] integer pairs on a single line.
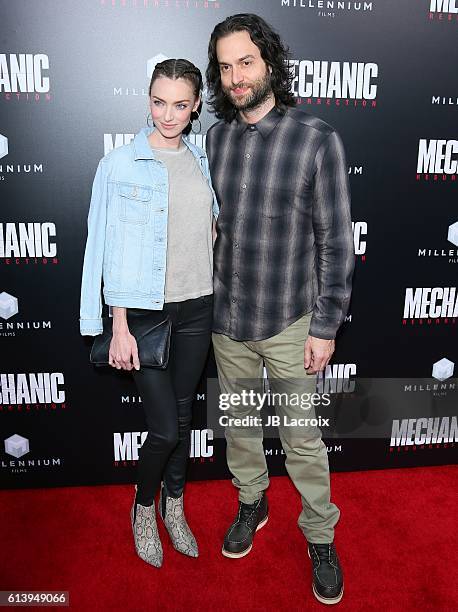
[[245, 77]]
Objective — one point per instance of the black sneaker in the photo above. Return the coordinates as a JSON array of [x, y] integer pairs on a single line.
[[250, 517], [327, 574]]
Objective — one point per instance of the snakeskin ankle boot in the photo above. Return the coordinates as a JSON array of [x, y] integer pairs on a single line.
[[146, 536], [172, 513]]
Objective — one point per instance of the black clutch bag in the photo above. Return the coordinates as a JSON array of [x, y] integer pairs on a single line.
[[153, 342]]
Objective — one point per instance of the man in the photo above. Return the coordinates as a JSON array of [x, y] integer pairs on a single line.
[[282, 276]]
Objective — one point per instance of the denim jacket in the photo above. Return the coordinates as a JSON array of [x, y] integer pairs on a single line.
[[127, 231]]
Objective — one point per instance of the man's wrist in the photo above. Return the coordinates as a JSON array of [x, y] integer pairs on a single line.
[[319, 337]]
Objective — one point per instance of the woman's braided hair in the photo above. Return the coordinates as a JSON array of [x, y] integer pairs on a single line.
[[180, 69]]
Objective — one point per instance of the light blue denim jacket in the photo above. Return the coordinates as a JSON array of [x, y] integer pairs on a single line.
[[127, 231]]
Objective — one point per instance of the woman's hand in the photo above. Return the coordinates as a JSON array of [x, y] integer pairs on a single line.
[[123, 353]]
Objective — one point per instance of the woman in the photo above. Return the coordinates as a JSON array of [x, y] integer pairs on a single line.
[[150, 240]]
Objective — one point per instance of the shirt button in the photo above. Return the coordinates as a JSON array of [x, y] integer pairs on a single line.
[[252, 127], [244, 186], [234, 300], [236, 244], [236, 273], [248, 156]]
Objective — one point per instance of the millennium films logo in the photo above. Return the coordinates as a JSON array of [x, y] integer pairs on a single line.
[[442, 370], [126, 446], [343, 84], [17, 446], [32, 392], [7, 167], [24, 77], [329, 9], [443, 254], [430, 306], [141, 91], [9, 308], [444, 101], [137, 399], [437, 160], [28, 243], [271, 451], [355, 170], [162, 4], [443, 10], [423, 433]]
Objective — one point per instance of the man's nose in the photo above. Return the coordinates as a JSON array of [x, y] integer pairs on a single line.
[[236, 75]]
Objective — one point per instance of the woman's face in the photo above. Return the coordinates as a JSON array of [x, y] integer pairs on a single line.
[[172, 101]]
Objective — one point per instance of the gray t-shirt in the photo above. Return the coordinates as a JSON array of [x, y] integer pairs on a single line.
[[189, 269]]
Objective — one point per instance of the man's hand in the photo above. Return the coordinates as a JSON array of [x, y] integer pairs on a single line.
[[317, 353]]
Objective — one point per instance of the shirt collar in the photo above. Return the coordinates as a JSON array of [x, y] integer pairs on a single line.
[[142, 149], [264, 125]]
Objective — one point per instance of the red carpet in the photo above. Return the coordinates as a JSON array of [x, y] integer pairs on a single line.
[[396, 540]]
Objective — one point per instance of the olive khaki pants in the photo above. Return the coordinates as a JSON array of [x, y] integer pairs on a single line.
[[240, 367]]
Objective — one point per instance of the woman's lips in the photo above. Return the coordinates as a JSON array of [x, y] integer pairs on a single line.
[[168, 127]]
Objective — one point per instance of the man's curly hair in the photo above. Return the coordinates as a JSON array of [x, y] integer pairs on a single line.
[[272, 50]]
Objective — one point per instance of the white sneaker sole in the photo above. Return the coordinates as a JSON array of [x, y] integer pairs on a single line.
[[231, 555]]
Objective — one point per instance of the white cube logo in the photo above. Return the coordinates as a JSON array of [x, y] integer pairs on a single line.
[[3, 146], [151, 64], [452, 235], [8, 305], [443, 369], [17, 446]]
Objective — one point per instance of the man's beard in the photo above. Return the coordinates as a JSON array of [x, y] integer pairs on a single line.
[[261, 90]]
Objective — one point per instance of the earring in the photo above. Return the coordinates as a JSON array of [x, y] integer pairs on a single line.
[[192, 126], [148, 117]]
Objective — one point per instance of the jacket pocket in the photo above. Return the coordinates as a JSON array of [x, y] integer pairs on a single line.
[[134, 203]]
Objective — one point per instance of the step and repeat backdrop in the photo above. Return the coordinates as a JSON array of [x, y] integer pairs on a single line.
[[74, 76]]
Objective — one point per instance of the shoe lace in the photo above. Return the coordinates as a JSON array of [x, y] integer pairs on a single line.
[[324, 551], [246, 511]]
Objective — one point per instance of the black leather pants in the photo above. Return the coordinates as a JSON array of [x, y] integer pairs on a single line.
[[167, 397]]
